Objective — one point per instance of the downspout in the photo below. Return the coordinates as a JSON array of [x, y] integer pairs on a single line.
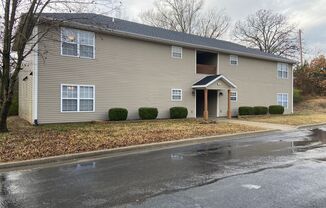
[[218, 63], [292, 111], [35, 82]]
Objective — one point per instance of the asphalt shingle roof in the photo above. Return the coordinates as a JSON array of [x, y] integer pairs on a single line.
[[129, 27], [206, 80]]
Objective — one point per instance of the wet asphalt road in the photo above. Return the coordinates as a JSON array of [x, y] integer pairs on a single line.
[[276, 170]]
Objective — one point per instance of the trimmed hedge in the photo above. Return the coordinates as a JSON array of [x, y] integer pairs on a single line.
[[146, 113], [276, 109], [246, 110], [260, 110], [118, 114], [178, 112]]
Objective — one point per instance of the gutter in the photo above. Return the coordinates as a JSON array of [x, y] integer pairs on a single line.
[[166, 41]]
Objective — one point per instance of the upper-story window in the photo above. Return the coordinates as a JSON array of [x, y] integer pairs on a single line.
[[77, 43], [176, 52], [282, 71], [234, 60]]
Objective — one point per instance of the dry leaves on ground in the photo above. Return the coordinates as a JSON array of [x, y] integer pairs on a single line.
[[28, 142]]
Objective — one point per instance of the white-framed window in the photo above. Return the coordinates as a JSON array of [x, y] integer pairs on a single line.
[[283, 99], [282, 71], [176, 94], [234, 96], [77, 98], [234, 60], [176, 52], [77, 43]]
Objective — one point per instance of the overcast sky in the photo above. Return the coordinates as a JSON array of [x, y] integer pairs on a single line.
[[309, 15]]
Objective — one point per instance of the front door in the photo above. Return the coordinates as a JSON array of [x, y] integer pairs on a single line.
[[212, 103]]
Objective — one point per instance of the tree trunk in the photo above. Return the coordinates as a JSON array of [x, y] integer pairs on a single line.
[[4, 115], [3, 118]]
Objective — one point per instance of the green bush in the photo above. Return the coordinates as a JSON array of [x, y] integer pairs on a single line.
[[260, 110], [146, 113], [276, 109], [118, 114], [297, 97], [246, 110], [178, 112]]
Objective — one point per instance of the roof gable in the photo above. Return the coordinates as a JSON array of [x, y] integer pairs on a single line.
[[209, 80]]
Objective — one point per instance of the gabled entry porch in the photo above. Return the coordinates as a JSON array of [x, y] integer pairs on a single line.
[[209, 91]]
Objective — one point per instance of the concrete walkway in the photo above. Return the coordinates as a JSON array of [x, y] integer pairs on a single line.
[[281, 127]]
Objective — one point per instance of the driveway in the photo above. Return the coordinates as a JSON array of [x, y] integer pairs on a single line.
[[284, 169]]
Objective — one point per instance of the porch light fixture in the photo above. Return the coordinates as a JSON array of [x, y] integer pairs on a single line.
[[220, 93], [193, 92]]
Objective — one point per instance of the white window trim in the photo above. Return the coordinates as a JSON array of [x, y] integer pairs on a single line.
[[174, 100], [234, 57], [287, 97], [279, 69], [78, 44], [176, 47], [78, 98], [236, 96]]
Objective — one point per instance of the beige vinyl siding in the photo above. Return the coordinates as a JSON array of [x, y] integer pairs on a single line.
[[256, 81], [25, 90], [132, 73], [126, 73]]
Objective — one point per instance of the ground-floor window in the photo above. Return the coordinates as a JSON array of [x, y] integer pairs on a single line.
[[77, 98], [176, 94], [282, 99], [234, 96]]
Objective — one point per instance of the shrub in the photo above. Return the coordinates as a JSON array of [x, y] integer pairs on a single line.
[[118, 114], [297, 97], [178, 112], [146, 113], [246, 110], [260, 110], [276, 109]]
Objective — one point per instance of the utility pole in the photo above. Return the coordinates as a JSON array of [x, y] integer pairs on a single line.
[[300, 47]]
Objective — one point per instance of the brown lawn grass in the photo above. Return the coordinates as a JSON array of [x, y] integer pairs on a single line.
[[311, 105], [309, 111], [28, 142], [295, 119]]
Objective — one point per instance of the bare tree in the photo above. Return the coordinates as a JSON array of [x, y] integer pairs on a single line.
[[186, 16], [269, 32], [105, 7], [18, 19]]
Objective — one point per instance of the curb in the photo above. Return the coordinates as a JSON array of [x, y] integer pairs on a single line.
[[131, 149], [311, 125]]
